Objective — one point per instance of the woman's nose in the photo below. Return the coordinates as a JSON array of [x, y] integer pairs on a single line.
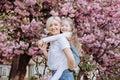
[[51, 28]]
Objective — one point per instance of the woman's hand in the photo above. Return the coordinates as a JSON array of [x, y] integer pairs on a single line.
[[43, 46]]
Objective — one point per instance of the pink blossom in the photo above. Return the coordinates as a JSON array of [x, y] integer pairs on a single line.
[[67, 8], [25, 28], [83, 2], [19, 4], [2, 45], [88, 38], [23, 45], [3, 37], [97, 7], [110, 40], [42, 1], [97, 44], [1, 25], [117, 15], [54, 13], [87, 24], [18, 52], [5, 54], [64, 11], [87, 29], [72, 15], [97, 23], [102, 68], [21, 12], [30, 2], [104, 45], [14, 18], [117, 56], [15, 45], [6, 51], [5, 61], [32, 51], [35, 26], [106, 59], [118, 37]]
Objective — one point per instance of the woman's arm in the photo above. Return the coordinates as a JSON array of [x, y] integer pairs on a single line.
[[43, 47], [55, 37]]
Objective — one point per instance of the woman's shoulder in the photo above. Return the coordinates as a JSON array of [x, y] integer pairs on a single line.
[[63, 41]]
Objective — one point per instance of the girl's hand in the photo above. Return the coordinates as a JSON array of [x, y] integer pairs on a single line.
[[43, 46]]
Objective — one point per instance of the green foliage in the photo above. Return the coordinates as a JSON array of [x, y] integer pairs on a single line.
[[87, 64]]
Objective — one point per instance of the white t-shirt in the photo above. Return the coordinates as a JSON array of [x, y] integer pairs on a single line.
[[56, 57]]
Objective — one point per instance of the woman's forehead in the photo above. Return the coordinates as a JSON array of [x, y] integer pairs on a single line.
[[55, 21]]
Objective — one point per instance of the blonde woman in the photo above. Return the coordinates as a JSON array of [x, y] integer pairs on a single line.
[[60, 57]]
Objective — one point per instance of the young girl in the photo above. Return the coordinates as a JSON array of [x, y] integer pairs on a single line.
[[69, 26], [60, 57]]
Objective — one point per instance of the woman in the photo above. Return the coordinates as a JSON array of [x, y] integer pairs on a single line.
[[60, 57]]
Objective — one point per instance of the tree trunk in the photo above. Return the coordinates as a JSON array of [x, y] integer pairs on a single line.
[[80, 73], [18, 68]]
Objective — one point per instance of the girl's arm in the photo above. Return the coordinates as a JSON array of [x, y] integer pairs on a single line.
[[55, 37], [65, 46], [70, 58]]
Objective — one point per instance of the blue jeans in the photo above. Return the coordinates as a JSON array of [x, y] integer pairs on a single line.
[[66, 75]]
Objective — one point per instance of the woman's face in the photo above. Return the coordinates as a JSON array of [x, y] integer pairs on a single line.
[[54, 27], [66, 27]]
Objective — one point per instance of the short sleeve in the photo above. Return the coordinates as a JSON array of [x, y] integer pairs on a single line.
[[63, 43]]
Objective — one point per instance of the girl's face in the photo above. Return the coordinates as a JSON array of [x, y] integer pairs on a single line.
[[66, 27], [54, 27]]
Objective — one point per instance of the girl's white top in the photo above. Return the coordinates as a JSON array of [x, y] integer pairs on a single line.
[[56, 57]]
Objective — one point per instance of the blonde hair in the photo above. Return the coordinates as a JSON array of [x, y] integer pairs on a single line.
[[50, 19], [74, 37]]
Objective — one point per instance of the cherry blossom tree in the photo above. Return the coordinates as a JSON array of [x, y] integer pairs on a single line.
[[99, 33], [21, 26], [22, 23]]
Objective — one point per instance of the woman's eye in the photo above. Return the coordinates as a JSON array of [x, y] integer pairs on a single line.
[[56, 24], [50, 25], [63, 25]]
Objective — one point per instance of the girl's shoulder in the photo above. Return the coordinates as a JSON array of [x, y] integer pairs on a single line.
[[62, 39]]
